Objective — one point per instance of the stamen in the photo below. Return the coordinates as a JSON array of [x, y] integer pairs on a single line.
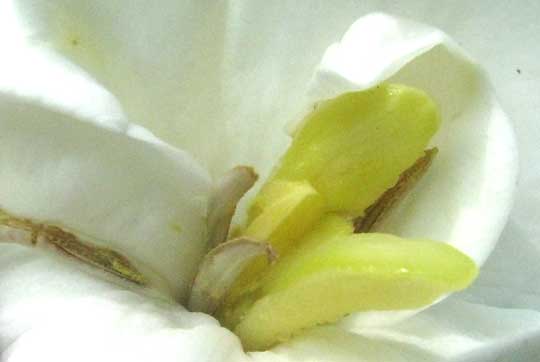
[[387, 201], [52, 238], [228, 191], [219, 270]]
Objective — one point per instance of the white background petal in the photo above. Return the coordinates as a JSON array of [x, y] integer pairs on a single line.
[[46, 304]]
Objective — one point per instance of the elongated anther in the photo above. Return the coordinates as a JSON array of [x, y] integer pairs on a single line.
[[387, 201], [55, 239], [227, 193], [219, 270]]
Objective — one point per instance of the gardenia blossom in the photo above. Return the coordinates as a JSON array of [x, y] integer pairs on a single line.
[[118, 118]]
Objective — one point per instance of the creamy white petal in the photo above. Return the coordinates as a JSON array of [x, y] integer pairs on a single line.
[[55, 189], [50, 79], [197, 73], [144, 200], [53, 301], [51, 310], [243, 82]]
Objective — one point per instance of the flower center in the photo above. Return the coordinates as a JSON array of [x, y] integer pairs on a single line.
[[307, 253], [353, 158]]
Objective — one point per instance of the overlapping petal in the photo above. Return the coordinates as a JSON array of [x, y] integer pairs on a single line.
[[52, 310], [70, 158], [144, 200]]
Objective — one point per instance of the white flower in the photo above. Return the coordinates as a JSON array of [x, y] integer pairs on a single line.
[[214, 84]]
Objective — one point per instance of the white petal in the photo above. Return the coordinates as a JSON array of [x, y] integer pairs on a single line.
[[63, 168], [44, 302], [51, 311], [144, 200], [158, 78], [219, 80], [50, 79]]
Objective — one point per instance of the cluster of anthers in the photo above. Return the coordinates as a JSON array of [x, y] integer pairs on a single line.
[[308, 253]]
